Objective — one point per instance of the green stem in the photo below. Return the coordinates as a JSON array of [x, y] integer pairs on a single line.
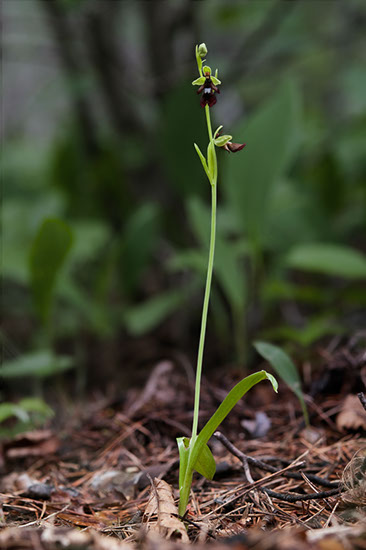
[[207, 293], [204, 313], [187, 480]]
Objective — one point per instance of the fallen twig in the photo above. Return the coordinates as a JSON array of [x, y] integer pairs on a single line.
[[294, 497], [268, 468]]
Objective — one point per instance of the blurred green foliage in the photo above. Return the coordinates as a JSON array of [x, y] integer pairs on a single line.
[[105, 213]]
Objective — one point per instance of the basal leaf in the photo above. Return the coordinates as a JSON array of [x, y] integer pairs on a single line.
[[226, 406], [285, 368], [205, 463]]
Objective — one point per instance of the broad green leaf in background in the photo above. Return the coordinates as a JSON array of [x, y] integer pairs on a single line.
[[272, 138], [21, 219], [8, 410], [89, 237], [285, 368], [35, 364], [36, 405], [148, 315], [330, 259], [48, 252], [139, 239], [21, 409], [29, 413]]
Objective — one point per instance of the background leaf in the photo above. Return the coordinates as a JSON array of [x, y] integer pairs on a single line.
[[285, 368], [38, 364], [272, 137], [330, 259], [49, 249], [146, 316]]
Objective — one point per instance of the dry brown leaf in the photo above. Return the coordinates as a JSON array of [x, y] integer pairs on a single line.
[[352, 415], [32, 443], [161, 502]]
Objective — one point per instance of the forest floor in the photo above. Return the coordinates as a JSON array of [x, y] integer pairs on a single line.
[[91, 479]]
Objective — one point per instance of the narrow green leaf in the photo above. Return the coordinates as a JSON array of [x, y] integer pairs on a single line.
[[203, 161], [330, 259], [285, 368], [226, 406], [47, 255]]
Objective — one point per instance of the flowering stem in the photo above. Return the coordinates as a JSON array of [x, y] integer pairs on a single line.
[[207, 289]]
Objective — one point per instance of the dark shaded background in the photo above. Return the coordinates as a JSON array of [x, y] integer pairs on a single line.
[[99, 118]]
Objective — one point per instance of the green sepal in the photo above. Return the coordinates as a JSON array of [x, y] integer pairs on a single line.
[[199, 81], [215, 80], [222, 140], [206, 69], [203, 161]]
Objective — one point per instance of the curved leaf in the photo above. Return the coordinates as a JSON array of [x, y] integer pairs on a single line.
[[226, 406]]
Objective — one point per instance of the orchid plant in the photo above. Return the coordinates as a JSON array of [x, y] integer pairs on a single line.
[[194, 453]]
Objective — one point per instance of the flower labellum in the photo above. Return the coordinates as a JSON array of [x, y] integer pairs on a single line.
[[234, 147]]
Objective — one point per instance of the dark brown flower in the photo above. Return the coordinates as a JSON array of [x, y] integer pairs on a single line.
[[233, 147], [208, 90]]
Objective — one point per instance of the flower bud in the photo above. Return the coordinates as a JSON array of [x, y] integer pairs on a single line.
[[202, 50]]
